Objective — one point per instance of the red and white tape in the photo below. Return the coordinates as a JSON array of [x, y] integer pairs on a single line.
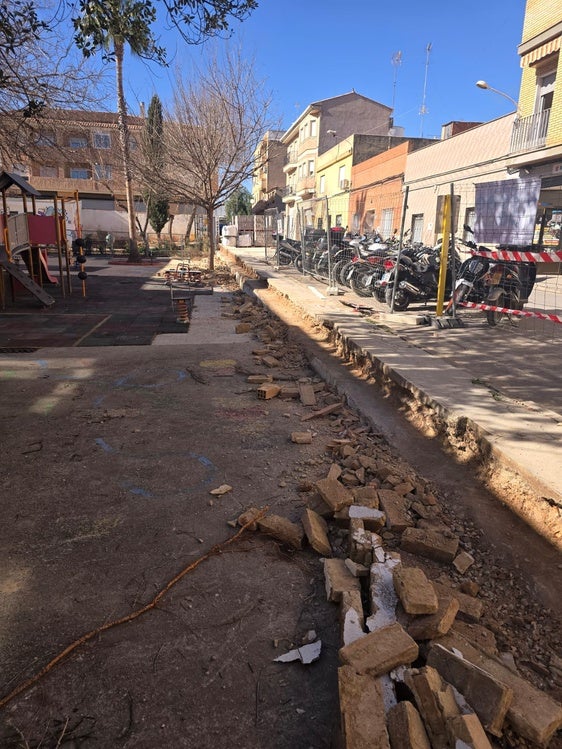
[[520, 257], [519, 313]]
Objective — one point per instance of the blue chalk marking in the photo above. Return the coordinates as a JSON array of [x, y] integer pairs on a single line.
[[104, 446]]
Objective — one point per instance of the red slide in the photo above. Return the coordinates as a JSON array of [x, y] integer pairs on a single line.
[[48, 275]]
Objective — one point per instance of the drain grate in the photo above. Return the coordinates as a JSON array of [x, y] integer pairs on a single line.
[[16, 350]]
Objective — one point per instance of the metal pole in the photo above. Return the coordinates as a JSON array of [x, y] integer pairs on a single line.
[[402, 224], [59, 247], [444, 253]]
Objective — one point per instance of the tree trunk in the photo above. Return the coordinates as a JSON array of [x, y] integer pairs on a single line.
[[211, 236], [189, 226], [124, 141]]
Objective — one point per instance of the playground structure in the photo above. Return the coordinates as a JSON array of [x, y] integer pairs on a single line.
[[24, 242]]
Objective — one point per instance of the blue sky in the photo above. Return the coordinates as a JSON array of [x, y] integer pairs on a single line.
[[307, 50]]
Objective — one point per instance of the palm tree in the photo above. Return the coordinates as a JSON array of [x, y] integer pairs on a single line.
[[107, 26]]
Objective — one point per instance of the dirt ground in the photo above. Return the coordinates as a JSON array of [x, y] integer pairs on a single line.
[[110, 453]]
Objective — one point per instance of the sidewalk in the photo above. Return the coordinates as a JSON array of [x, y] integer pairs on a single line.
[[507, 386]]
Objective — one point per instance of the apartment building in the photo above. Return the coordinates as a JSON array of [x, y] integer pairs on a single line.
[[76, 155], [268, 179], [535, 148], [322, 126]]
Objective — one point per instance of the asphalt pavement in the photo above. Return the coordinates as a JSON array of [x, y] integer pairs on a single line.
[[506, 381]]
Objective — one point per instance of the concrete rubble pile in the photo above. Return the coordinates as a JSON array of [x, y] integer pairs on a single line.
[[418, 668]]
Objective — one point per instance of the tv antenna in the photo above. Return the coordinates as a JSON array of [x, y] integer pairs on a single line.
[[423, 108], [396, 62]]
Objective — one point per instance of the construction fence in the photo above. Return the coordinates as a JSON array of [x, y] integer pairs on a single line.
[[516, 222]]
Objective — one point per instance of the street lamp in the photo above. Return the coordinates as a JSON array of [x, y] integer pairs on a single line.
[[484, 85]]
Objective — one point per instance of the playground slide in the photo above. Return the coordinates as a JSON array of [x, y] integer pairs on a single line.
[[46, 272]]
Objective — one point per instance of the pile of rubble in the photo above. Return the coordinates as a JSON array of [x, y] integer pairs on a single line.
[[418, 667]]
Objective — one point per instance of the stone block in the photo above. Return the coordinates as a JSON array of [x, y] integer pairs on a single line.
[[338, 579], [463, 561], [362, 710], [334, 494], [405, 728], [532, 713], [488, 697], [380, 651], [301, 438], [247, 516], [335, 472], [470, 607], [316, 530], [435, 702], [283, 530], [431, 544], [469, 730], [243, 327], [367, 496], [357, 570], [430, 626], [270, 361], [414, 590], [395, 509], [479, 636]]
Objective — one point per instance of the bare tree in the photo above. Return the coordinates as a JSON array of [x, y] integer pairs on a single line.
[[40, 71], [212, 133]]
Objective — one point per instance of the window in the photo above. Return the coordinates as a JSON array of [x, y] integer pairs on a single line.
[[387, 221], [46, 170], [133, 143], [417, 227], [341, 177], [313, 125], [311, 167], [322, 184], [545, 92], [102, 140], [102, 171], [338, 220], [77, 141], [46, 139], [79, 172]]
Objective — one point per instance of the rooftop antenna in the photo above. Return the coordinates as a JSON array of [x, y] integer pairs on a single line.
[[423, 108], [396, 62]]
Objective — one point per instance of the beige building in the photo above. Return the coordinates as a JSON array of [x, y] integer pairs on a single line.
[[322, 126]]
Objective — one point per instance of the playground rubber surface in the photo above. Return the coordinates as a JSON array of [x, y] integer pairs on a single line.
[[119, 305]]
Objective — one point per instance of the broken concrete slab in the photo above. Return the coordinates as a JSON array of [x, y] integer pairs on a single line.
[[373, 519], [305, 654], [352, 619], [396, 510], [382, 594]]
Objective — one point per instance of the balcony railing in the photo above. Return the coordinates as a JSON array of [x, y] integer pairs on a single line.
[[530, 132], [287, 191]]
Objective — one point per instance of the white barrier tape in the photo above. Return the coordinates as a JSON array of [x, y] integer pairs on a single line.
[[520, 257], [506, 311]]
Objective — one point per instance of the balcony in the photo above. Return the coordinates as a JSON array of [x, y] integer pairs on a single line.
[[68, 185], [306, 186], [529, 133], [291, 162], [288, 194]]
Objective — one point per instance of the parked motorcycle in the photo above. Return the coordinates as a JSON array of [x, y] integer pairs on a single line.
[[288, 250], [418, 278], [499, 284]]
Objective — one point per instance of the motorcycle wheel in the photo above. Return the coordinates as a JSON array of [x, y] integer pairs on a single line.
[[298, 263], [284, 258], [401, 299], [493, 317], [338, 273], [362, 280]]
